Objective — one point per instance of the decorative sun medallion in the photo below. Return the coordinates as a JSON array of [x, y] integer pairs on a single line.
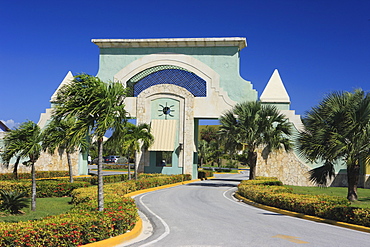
[[166, 111]]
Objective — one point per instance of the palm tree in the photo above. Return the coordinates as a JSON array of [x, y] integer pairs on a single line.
[[254, 125], [57, 135], [208, 133], [215, 151], [132, 140], [229, 134], [11, 149], [337, 131], [203, 152], [97, 107], [27, 145]]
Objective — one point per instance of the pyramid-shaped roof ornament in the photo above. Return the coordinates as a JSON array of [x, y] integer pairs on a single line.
[[275, 91], [67, 79]]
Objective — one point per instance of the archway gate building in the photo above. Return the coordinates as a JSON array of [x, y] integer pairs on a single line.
[[172, 84]]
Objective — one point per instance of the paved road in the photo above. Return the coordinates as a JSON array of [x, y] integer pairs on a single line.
[[204, 214]]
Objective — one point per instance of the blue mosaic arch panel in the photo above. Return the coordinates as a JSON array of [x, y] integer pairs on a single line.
[[182, 78]]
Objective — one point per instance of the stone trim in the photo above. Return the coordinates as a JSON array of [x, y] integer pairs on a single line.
[[239, 42], [214, 92], [186, 120]]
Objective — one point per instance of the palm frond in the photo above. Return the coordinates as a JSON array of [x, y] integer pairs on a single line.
[[321, 174]]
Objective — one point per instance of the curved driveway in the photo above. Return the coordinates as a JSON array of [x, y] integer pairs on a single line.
[[204, 214]]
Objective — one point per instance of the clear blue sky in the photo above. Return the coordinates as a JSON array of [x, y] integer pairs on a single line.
[[318, 46]]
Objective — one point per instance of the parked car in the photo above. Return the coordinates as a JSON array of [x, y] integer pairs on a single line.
[[111, 159]]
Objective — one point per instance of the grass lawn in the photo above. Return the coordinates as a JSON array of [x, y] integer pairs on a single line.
[[44, 207], [223, 171], [363, 194]]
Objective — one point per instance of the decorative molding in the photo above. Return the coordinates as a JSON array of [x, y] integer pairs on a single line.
[[186, 119], [214, 92], [239, 42]]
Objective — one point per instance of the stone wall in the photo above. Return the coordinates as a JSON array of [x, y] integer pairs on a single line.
[[340, 180], [46, 162], [291, 171], [285, 166]]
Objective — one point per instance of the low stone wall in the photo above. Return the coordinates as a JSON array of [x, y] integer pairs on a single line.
[[283, 165], [291, 171], [46, 162], [340, 180]]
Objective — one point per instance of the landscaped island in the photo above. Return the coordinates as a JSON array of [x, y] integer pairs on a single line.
[[271, 192], [83, 223]]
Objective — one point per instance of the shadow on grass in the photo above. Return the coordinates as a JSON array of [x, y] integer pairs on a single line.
[[364, 199], [44, 207]]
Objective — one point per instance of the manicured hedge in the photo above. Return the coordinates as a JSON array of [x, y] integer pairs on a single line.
[[39, 174], [113, 178], [204, 174], [269, 192], [44, 188], [84, 224], [107, 179], [116, 166]]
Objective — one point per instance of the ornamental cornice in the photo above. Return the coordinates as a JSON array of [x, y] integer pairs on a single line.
[[239, 42]]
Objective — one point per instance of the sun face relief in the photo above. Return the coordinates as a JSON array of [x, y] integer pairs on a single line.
[[166, 110]]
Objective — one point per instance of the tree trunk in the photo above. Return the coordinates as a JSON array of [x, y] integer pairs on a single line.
[[15, 169], [70, 167], [33, 194], [129, 170], [353, 172], [135, 171], [136, 166], [100, 176], [252, 162]]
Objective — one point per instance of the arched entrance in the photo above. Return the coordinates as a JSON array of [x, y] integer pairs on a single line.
[[172, 83]]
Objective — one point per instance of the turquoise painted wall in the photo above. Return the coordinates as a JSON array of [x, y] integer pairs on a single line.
[[153, 168], [195, 154], [82, 163], [156, 109], [224, 60]]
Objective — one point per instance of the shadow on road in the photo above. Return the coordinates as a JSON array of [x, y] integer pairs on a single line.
[[274, 214], [212, 184], [227, 179], [218, 183]]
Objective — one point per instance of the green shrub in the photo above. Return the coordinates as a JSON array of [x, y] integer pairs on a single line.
[[44, 188], [223, 170], [77, 227], [93, 180], [39, 174], [204, 174], [50, 188], [269, 192], [84, 224], [109, 179], [263, 181], [115, 167], [15, 185], [13, 201]]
